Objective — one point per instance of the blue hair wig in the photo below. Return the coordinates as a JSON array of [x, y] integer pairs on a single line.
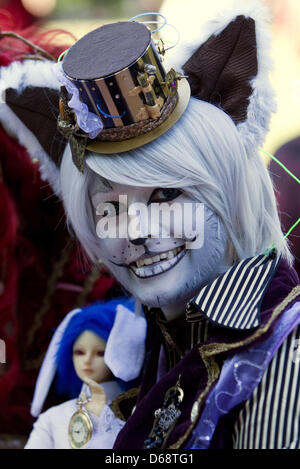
[[98, 318]]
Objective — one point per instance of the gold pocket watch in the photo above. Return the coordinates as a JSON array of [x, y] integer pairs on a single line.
[[80, 426]]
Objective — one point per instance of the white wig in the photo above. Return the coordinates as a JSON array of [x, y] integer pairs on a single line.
[[203, 155]]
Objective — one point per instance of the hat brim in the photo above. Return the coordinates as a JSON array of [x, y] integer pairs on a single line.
[[184, 94]]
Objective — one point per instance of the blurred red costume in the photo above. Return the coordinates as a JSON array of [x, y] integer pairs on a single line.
[[41, 275]]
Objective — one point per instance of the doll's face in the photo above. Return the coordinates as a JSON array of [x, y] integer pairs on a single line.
[[88, 357], [178, 273]]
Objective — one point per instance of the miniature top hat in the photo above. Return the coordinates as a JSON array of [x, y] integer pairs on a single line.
[[122, 96]]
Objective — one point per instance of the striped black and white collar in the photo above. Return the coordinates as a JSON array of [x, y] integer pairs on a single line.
[[234, 298]]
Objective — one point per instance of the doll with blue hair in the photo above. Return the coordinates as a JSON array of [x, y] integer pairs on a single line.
[[77, 359]]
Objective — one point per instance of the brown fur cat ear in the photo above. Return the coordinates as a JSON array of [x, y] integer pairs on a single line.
[[30, 110], [221, 70], [228, 65]]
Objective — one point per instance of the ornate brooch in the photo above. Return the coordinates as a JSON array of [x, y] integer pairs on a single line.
[[165, 418]]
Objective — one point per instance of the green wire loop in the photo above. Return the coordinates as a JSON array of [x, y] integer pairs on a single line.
[[297, 180]]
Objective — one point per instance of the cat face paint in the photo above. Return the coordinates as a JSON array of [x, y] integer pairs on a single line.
[[159, 271]]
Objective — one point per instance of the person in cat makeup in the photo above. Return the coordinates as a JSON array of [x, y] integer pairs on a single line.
[[216, 282]]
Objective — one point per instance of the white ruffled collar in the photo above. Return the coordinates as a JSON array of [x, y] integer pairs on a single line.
[[111, 388]]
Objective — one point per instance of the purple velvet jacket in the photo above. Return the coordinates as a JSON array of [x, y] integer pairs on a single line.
[[199, 360]]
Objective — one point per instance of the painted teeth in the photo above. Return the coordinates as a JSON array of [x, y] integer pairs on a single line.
[[158, 257]]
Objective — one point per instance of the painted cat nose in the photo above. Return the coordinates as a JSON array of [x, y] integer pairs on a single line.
[[138, 241]]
